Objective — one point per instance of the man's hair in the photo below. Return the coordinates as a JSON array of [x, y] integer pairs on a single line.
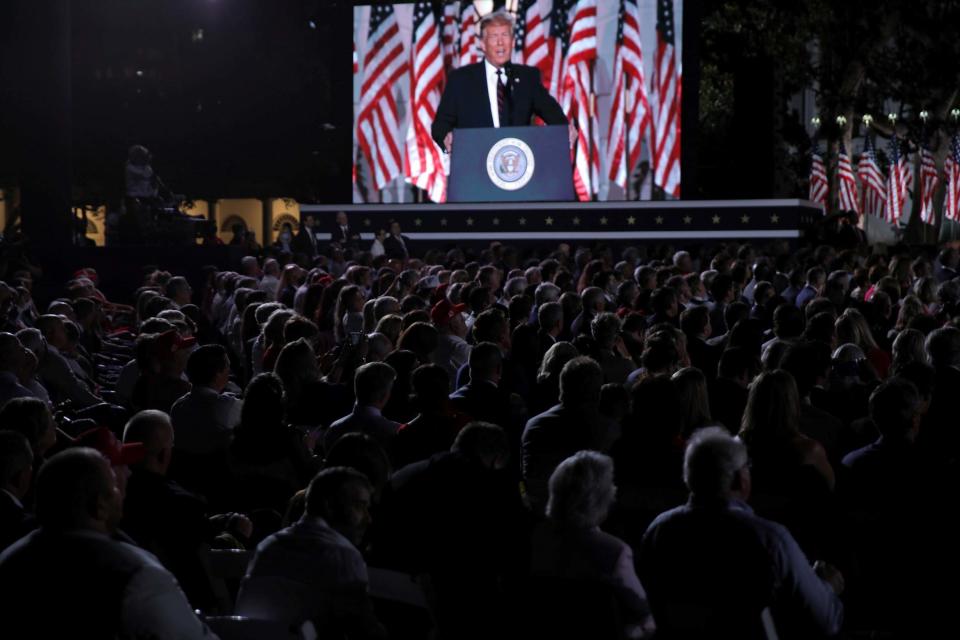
[[205, 363], [385, 305], [694, 320], [806, 361], [550, 315], [489, 326], [373, 381], [430, 383], [660, 354], [605, 328], [485, 360], [581, 490], [787, 321], [328, 485], [815, 275], [893, 406], [480, 440], [591, 296], [146, 427], [297, 327], [662, 298], [580, 382], [712, 459], [546, 292], [495, 18], [721, 285], [69, 487], [15, 456], [175, 285], [47, 323], [943, 347]]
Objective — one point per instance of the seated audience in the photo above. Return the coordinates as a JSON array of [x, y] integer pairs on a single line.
[[718, 585]]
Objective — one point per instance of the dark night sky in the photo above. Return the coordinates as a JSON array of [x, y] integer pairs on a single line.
[[248, 109]]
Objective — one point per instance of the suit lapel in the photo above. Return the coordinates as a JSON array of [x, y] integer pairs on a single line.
[[481, 81]]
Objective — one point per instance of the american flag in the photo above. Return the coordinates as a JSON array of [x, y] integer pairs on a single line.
[[846, 182], [896, 182], [818, 176], [532, 45], [356, 67], [951, 203], [451, 41], [576, 95], [666, 85], [874, 197], [424, 166], [929, 178], [630, 113], [469, 37], [377, 127], [558, 42]]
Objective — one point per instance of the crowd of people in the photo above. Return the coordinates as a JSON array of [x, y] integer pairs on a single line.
[[724, 443]]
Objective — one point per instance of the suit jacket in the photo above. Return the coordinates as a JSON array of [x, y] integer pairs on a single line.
[[348, 239], [555, 434], [363, 419], [466, 104], [394, 249], [305, 242]]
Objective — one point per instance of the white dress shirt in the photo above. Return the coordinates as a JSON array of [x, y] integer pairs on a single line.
[[492, 89]]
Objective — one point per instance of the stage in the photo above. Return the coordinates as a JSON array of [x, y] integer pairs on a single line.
[[694, 221]]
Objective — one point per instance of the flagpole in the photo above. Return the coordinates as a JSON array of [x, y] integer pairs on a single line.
[[594, 188]]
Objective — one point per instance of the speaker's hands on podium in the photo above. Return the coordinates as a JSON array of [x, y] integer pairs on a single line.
[[572, 130]]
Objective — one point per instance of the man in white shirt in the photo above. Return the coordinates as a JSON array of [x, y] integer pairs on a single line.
[[204, 419]]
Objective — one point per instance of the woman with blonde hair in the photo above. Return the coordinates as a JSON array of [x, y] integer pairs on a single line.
[[852, 328]]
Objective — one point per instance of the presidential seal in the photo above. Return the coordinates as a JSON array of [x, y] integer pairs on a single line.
[[510, 164]]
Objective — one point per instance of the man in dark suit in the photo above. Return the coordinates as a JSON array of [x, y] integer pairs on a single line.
[[305, 242], [342, 234], [396, 246], [494, 93]]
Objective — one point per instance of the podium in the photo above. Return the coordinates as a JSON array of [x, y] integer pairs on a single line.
[[511, 164]]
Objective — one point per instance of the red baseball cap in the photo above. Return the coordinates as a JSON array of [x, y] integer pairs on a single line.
[[444, 310], [170, 342], [104, 441]]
